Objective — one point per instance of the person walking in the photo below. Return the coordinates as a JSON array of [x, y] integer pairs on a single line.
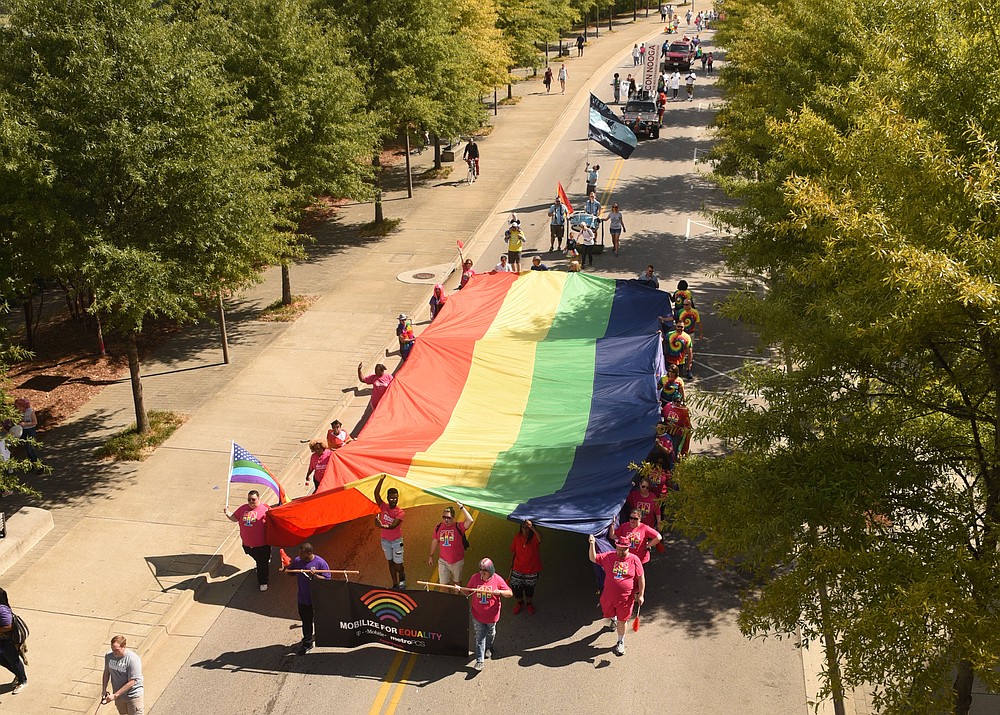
[[380, 381], [29, 429], [678, 350], [307, 567], [704, 61], [592, 206], [689, 84], [709, 60], [642, 53], [389, 521], [485, 589], [644, 501], [616, 225], [10, 654], [252, 518], [319, 460], [336, 436], [438, 298], [663, 13], [648, 278], [557, 224], [515, 243], [581, 40], [450, 538], [563, 76], [547, 79], [123, 668], [687, 18], [641, 537], [675, 84], [624, 585], [525, 565], [617, 88], [467, 273], [503, 266], [635, 55], [585, 241], [593, 175]]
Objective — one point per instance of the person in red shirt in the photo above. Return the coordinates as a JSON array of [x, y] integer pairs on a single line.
[[379, 380], [485, 589], [526, 565], [677, 423], [252, 518], [318, 462], [641, 537], [624, 585], [644, 501], [336, 436], [390, 523]]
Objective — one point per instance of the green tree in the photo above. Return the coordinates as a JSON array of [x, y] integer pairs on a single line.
[[305, 102], [142, 174], [526, 25]]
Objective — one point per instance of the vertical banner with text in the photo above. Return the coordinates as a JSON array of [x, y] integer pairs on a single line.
[[352, 614], [651, 70]]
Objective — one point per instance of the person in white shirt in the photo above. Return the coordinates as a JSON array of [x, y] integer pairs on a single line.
[[585, 240], [675, 84], [689, 85], [503, 266]]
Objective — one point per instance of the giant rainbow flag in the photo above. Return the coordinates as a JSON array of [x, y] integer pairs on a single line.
[[526, 398]]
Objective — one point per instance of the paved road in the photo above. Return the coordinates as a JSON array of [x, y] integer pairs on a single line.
[[688, 657]]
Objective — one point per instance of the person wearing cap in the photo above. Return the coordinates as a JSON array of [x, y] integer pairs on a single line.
[[467, 273], [640, 537], [484, 591], [515, 243], [400, 327], [624, 585], [537, 265], [336, 436]]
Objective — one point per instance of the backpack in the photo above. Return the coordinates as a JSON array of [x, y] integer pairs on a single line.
[[19, 637], [465, 541]]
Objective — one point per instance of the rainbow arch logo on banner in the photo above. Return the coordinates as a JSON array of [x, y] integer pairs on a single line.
[[388, 605]]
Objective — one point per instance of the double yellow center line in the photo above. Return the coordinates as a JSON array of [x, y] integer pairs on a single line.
[[609, 188], [411, 660]]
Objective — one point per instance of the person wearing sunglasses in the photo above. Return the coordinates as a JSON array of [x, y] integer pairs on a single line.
[[641, 537], [449, 537], [484, 590], [624, 585]]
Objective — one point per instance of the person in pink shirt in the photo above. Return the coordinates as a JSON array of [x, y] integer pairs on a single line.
[[336, 436], [450, 538], [644, 501], [485, 589], [641, 537], [379, 380], [318, 462], [467, 273], [624, 585], [390, 523], [252, 518]]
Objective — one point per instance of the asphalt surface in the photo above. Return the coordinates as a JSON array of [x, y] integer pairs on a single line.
[[688, 656]]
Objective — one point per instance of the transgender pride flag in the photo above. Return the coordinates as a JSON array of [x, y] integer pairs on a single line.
[[245, 468]]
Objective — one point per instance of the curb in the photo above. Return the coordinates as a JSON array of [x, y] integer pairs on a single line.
[[25, 528]]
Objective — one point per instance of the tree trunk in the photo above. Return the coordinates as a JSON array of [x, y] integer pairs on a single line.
[[100, 337], [377, 164], [141, 419], [222, 329], [286, 285], [437, 152], [963, 687], [29, 322], [409, 169], [832, 652]]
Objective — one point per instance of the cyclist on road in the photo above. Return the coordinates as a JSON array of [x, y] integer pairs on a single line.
[[471, 155]]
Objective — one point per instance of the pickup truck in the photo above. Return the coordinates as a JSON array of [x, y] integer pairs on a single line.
[[640, 116], [679, 55]]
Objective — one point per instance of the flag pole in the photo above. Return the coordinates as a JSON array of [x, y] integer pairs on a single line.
[[229, 479]]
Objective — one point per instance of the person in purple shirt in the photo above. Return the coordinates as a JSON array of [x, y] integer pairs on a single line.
[[307, 561], [10, 658]]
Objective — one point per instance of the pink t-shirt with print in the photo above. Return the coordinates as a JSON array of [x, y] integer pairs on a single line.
[[486, 606], [450, 540], [253, 529], [386, 517]]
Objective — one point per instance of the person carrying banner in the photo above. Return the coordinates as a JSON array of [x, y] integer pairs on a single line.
[[641, 537], [624, 585], [252, 518], [309, 566], [485, 589], [450, 537], [390, 523], [525, 566]]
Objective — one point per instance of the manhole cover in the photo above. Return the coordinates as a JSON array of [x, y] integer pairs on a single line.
[[422, 276], [43, 383]]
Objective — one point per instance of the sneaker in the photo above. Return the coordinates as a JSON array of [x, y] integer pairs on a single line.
[[263, 587], [489, 654], [613, 623], [19, 687], [304, 648], [479, 665], [531, 610], [517, 607], [688, 375], [402, 584], [620, 648], [8, 492]]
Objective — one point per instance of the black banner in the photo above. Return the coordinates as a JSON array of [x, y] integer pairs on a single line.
[[352, 614]]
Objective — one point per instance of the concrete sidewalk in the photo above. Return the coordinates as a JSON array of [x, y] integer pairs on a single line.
[[132, 542]]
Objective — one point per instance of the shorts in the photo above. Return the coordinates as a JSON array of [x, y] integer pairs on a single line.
[[393, 550], [130, 706], [513, 256], [619, 609], [557, 230], [450, 573]]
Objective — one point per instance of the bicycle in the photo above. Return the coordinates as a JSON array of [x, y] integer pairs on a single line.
[[471, 177]]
